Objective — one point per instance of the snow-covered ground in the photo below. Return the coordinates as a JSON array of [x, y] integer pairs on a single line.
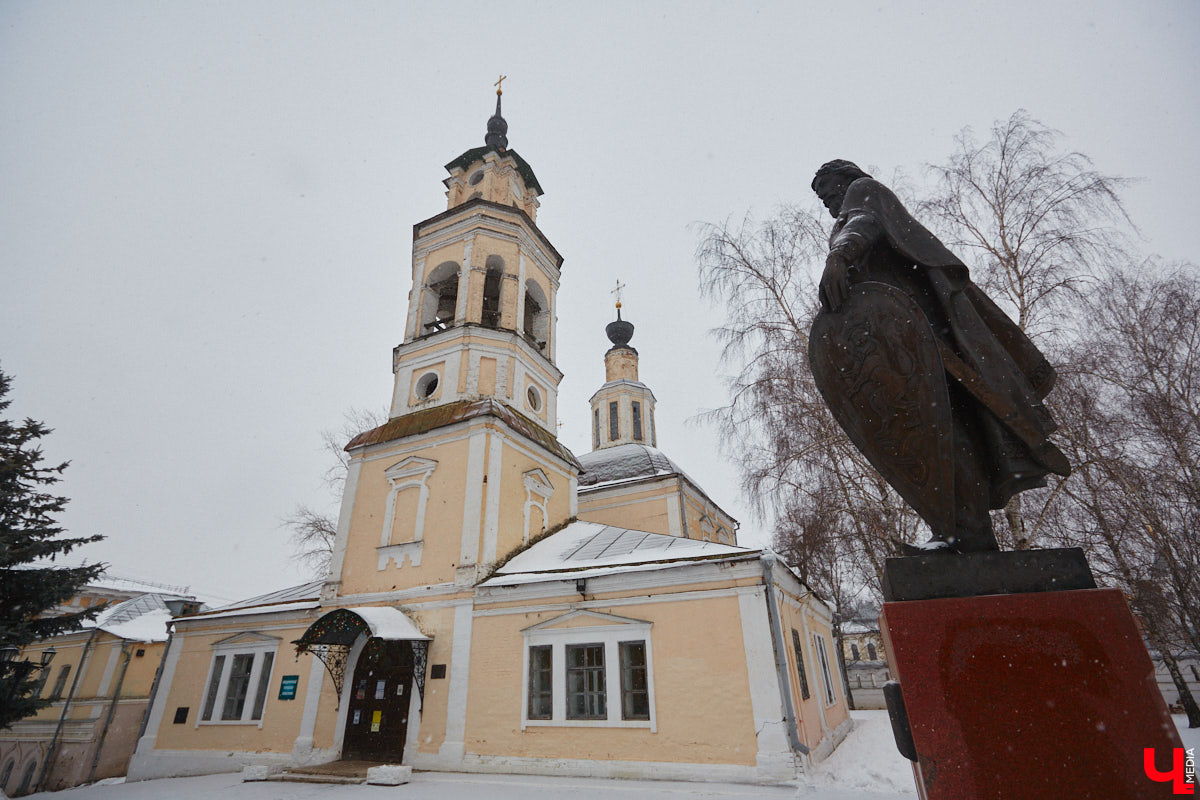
[[865, 767]]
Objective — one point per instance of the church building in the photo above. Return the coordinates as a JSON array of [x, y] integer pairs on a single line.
[[495, 602]]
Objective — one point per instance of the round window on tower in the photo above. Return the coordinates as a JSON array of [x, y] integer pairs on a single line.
[[426, 385], [476, 178], [533, 398]]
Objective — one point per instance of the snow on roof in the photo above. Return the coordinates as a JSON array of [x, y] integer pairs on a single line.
[[388, 623], [603, 549], [143, 618], [269, 608], [625, 461], [117, 583], [305, 591], [149, 627], [293, 598]]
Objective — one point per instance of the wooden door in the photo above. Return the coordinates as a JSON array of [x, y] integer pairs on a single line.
[[377, 714]]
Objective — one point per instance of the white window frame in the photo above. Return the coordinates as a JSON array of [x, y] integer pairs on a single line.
[[608, 630], [255, 644], [826, 675]]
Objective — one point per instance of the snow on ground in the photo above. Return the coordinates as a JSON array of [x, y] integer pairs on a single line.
[[865, 767], [867, 760]]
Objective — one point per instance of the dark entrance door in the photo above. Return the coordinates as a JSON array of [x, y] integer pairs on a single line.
[[377, 715]]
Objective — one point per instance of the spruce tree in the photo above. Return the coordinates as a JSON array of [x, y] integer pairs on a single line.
[[30, 540]]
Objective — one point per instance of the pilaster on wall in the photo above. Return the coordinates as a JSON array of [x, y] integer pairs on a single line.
[[464, 282], [453, 747], [473, 504], [508, 302], [766, 699]]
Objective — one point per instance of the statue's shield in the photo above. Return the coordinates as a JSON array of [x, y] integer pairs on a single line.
[[877, 365]]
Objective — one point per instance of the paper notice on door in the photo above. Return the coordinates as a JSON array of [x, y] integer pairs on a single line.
[[380, 689], [376, 719], [357, 716]]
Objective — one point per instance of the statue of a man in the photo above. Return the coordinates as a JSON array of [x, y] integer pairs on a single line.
[[993, 374]]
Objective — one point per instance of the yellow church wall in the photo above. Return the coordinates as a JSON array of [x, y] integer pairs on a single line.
[[515, 462], [435, 258], [140, 674], [688, 662], [643, 511], [438, 623], [795, 615], [442, 531], [281, 719], [487, 375]]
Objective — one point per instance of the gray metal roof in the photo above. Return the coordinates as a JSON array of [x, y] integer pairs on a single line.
[[626, 462]]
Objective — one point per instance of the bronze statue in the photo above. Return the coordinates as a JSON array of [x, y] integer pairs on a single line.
[[937, 387]]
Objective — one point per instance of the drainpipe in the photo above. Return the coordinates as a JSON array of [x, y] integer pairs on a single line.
[[52, 752], [126, 651], [777, 641]]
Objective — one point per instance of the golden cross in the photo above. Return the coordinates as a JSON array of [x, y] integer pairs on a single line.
[[617, 291], [499, 88]]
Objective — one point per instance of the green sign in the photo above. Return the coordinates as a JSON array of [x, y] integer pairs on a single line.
[[287, 687]]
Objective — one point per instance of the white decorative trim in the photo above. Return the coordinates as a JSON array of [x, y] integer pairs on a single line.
[[464, 283], [414, 296], [775, 773], [397, 553], [573, 495], [453, 747], [349, 490], [765, 693], [302, 749], [812, 659], [110, 666], [473, 500], [410, 473], [247, 642], [609, 630], [536, 483], [495, 475], [674, 512], [140, 765], [520, 322]]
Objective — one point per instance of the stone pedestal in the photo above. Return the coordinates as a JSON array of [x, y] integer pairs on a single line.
[[1041, 694]]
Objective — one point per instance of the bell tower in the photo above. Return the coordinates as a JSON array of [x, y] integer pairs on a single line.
[[481, 313], [467, 468], [623, 408]]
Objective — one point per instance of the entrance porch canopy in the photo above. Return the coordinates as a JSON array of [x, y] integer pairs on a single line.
[[332, 637], [343, 626]]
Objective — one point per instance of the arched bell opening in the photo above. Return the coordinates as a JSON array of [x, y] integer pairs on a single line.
[[535, 317], [439, 298]]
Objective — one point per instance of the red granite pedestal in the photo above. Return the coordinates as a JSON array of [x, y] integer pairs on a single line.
[[1043, 695]]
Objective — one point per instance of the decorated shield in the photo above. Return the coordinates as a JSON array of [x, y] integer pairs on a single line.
[[876, 363]]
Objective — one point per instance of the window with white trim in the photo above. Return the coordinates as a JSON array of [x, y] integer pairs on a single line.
[[238, 680], [826, 676], [598, 675]]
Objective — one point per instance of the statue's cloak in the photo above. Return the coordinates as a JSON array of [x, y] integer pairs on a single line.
[[902, 252]]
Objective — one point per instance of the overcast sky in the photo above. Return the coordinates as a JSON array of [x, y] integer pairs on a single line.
[[206, 208]]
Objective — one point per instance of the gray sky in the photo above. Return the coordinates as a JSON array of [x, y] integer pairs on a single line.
[[205, 219]]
